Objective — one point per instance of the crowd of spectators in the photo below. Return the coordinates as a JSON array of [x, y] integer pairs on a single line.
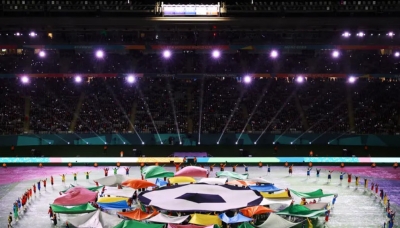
[[161, 103], [185, 36], [211, 105], [241, 62]]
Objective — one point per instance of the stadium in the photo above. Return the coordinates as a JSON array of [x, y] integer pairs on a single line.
[[199, 114]]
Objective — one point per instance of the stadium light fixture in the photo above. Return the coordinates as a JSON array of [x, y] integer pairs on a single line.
[[351, 79], [361, 34], [390, 34], [300, 79], [131, 79], [335, 54], [25, 79], [78, 79], [99, 54], [397, 54], [167, 54], [216, 54], [274, 54], [42, 54], [346, 34], [247, 79], [32, 34]]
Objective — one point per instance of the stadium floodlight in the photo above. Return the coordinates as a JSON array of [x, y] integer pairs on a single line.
[[130, 79], [351, 79], [216, 54], [247, 79], [167, 54], [300, 79], [397, 54], [42, 54], [99, 54], [360, 34], [335, 54], [24, 79], [32, 34], [78, 79], [273, 54], [346, 34], [390, 34]]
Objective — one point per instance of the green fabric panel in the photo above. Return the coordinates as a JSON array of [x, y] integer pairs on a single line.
[[300, 211], [80, 209], [245, 225], [311, 195], [136, 224], [156, 172]]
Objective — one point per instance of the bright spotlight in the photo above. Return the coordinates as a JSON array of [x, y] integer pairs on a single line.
[[352, 79], [68, 143], [291, 142], [105, 143], [329, 143], [273, 143], [300, 79], [255, 143], [273, 54], [180, 143], [32, 34], [247, 79], [42, 54], [161, 143], [390, 34], [87, 142], [167, 54], [346, 34], [78, 79], [309, 143], [397, 54], [130, 79], [100, 54], [217, 143], [124, 143], [216, 54], [25, 79], [335, 54], [198, 143], [360, 34], [236, 143], [142, 143]]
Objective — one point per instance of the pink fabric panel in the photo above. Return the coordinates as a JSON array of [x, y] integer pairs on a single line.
[[76, 196], [191, 171]]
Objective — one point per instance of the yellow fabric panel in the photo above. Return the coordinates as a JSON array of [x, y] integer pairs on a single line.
[[178, 180], [205, 220], [280, 195], [111, 199]]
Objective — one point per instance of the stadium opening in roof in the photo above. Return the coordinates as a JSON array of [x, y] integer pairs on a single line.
[[190, 10]]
